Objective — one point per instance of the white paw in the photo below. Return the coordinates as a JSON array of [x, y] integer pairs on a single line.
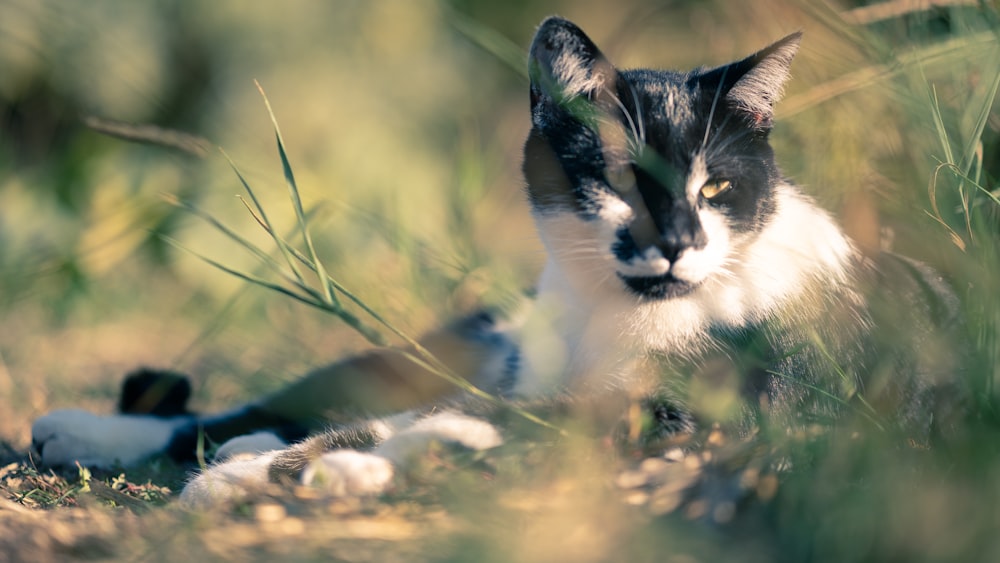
[[227, 482], [249, 445], [66, 437], [446, 427], [349, 473]]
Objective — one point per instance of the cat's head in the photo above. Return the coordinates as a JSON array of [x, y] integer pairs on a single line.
[[656, 177]]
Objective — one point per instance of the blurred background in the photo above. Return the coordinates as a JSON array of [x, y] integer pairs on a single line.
[[403, 121]]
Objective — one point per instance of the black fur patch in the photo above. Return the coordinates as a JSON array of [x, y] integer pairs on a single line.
[[155, 392]]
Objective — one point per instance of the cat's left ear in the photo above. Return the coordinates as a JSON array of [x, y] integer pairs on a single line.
[[753, 85], [564, 65]]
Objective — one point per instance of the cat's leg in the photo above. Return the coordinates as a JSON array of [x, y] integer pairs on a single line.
[[346, 472], [65, 437], [378, 382], [330, 462], [340, 473], [241, 469], [385, 381], [232, 480], [446, 427]]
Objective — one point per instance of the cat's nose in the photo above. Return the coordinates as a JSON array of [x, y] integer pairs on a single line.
[[671, 248], [681, 234]]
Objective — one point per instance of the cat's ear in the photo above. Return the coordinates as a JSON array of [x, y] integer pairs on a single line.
[[564, 64], [753, 85]]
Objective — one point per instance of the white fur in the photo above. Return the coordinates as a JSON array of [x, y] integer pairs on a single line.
[[229, 481], [339, 472], [343, 473], [446, 427], [799, 245], [605, 329], [249, 445], [576, 75], [65, 437], [697, 177]]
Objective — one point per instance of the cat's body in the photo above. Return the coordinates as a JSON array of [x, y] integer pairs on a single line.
[[679, 259]]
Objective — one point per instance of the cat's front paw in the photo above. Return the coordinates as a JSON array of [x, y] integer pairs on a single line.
[[228, 482], [65, 437], [345, 473], [446, 427]]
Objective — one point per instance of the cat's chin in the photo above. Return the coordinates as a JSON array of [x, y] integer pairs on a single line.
[[665, 286]]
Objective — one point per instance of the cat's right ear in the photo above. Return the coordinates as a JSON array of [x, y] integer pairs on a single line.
[[564, 64], [753, 85]]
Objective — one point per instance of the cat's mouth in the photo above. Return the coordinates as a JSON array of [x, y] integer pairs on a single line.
[[665, 286]]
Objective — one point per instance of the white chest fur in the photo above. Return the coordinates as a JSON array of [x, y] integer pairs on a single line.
[[587, 329]]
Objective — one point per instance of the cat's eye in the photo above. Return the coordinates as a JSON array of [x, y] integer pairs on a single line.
[[715, 188]]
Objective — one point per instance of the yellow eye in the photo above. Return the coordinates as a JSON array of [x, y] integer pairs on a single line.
[[715, 188]]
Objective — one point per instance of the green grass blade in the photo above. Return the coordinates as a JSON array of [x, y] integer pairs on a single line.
[[430, 362], [817, 341], [293, 191], [311, 298], [268, 226], [939, 127], [266, 259], [981, 120], [937, 54], [494, 43], [840, 400], [328, 300], [974, 182]]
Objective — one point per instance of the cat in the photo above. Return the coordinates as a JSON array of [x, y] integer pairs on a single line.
[[682, 267]]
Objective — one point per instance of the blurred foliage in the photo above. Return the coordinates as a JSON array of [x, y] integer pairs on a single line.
[[404, 121]]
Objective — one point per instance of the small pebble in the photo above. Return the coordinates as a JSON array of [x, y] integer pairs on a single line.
[[631, 479], [662, 504], [267, 513], [692, 462], [654, 466], [674, 455], [637, 498]]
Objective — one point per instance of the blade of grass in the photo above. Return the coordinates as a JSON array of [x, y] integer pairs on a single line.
[[232, 235], [249, 278], [825, 352], [312, 298], [793, 380], [891, 9], [422, 357], [473, 390], [331, 287], [973, 182], [488, 39], [981, 120], [282, 245], [219, 320], [293, 189], [945, 142], [944, 52]]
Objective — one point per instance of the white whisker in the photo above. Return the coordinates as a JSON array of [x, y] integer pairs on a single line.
[[711, 112]]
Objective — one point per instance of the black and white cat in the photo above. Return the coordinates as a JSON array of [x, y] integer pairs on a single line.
[[677, 255]]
